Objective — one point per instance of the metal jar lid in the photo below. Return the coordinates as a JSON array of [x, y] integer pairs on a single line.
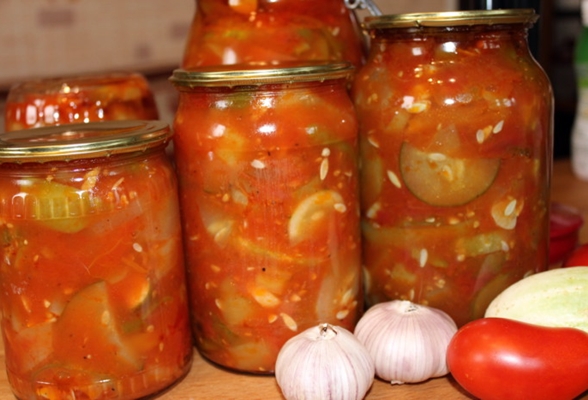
[[82, 141], [452, 19], [73, 84], [260, 73]]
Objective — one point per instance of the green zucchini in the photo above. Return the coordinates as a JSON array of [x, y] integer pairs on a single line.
[[558, 297]]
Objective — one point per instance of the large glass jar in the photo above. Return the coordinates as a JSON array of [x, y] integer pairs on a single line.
[[456, 128], [232, 32], [79, 99], [267, 165], [93, 296]]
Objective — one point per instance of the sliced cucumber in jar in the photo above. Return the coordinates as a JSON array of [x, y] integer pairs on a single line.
[[312, 213], [57, 206], [87, 334], [444, 181]]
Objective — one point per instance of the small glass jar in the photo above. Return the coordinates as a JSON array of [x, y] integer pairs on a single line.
[[93, 296], [233, 32], [267, 164], [79, 99], [456, 133]]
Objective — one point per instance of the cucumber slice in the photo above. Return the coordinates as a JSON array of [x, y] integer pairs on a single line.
[[59, 207], [87, 335], [440, 180], [235, 306], [313, 212]]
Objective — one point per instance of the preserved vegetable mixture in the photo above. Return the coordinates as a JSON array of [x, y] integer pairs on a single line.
[[456, 139], [269, 200], [237, 31], [79, 99], [93, 295]]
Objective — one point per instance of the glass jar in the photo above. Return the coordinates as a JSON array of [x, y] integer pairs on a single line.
[[233, 32], [456, 133], [267, 165], [77, 99], [93, 295]]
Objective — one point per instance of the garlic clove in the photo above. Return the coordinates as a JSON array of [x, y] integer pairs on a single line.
[[324, 362], [408, 342]]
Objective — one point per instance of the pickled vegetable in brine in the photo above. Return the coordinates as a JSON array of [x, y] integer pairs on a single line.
[[269, 195], [94, 302], [79, 99], [238, 31], [455, 138]]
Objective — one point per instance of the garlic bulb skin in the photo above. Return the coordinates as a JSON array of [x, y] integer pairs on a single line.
[[408, 342], [324, 362]]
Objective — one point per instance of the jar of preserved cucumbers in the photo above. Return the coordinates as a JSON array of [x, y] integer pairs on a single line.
[[456, 129], [79, 99], [93, 293], [267, 163], [233, 32]]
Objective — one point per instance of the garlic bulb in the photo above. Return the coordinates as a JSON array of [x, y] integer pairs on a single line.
[[407, 342], [324, 362]]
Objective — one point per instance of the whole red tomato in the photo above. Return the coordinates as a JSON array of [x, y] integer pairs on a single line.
[[502, 359], [564, 229], [578, 258]]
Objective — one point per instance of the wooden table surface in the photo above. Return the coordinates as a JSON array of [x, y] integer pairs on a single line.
[[206, 381]]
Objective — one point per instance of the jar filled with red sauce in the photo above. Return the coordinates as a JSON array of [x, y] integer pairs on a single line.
[[79, 99], [93, 292], [267, 165], [237, 31], [455, 122]]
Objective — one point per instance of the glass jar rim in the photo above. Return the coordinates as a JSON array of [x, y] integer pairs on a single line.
[[261, 73], [82, 141], [72, 84], [452, 18]]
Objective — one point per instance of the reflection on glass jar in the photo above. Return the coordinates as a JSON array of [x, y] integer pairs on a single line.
[[456, 139], [93, 295], [79, 99], [233, 32], [267, 165]]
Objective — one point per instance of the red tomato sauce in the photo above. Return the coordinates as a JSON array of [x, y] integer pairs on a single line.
[[79, 99], [272, 30], [94, 302], [455, 138], [268, 192]]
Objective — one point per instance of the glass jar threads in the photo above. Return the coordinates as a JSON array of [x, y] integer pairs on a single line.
[[456, 132], [266, 158], [233, 32], [93, 297], [79, 99]]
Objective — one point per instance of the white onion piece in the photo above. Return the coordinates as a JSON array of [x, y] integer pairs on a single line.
[[408, 342], [324, 362]]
